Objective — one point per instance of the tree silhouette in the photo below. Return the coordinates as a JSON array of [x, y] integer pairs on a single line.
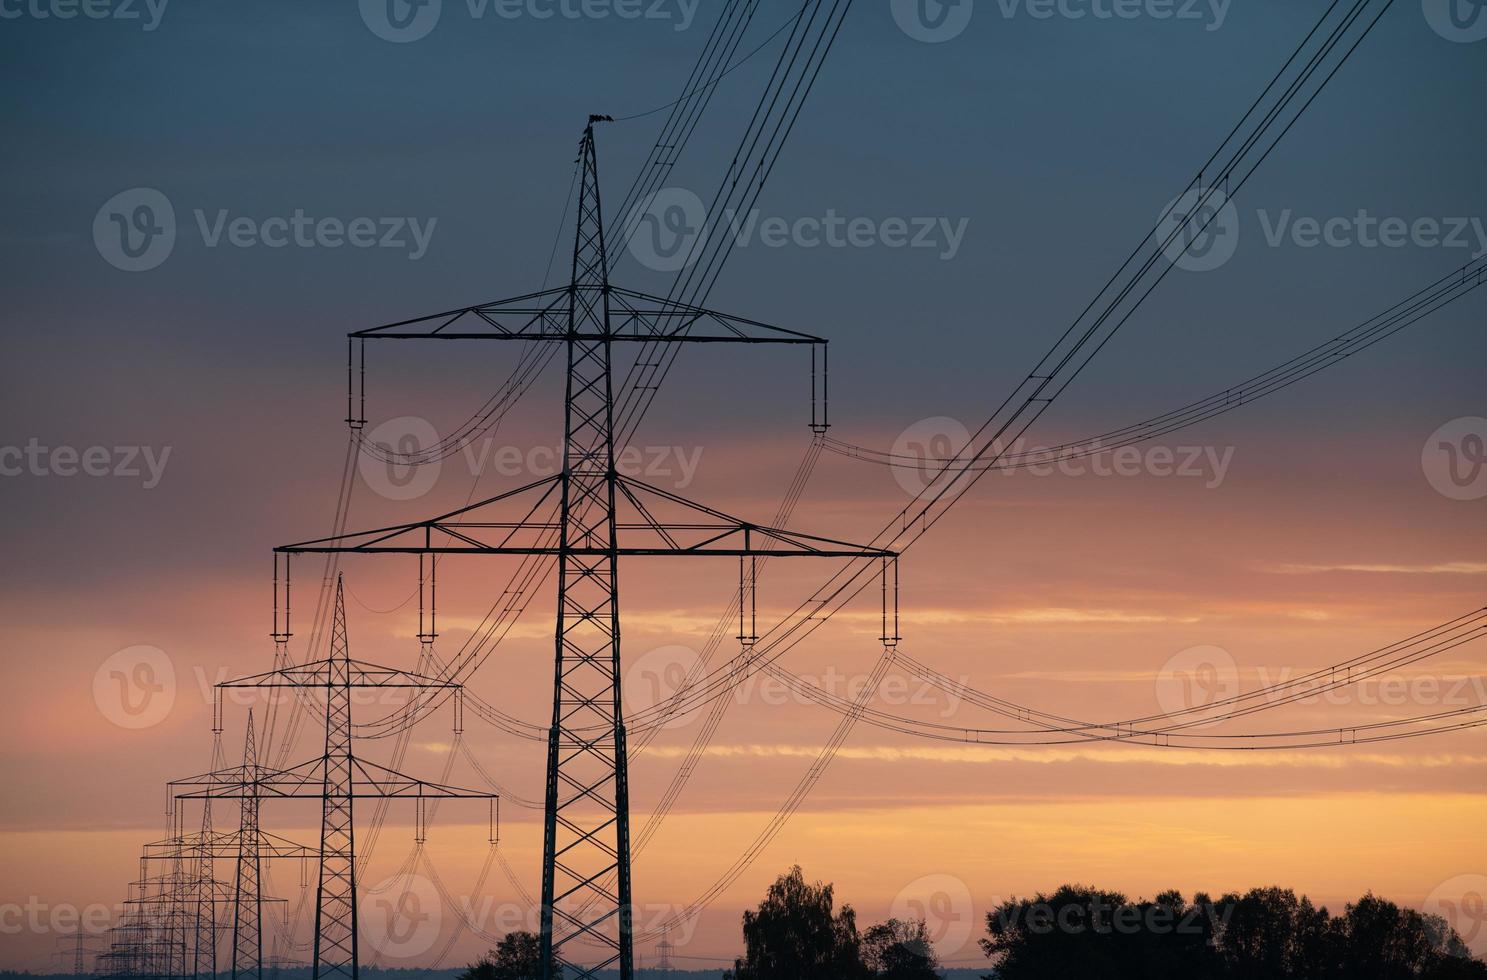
[[796, 933], [1264, 934], [897, 950], [1270, 933], [1083, 932], [518, 956]]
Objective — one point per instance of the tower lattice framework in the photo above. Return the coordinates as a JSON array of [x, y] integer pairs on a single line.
[[600, 517]]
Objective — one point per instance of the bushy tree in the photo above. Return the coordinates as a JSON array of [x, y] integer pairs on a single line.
[[797, 933], [1271, 934], [898, 950], [518, 956], [1097, 935], [1385, 942], [1264, 934]]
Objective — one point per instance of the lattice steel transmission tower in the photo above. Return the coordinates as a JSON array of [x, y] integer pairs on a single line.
[[584, 520], [337, 778], [247, 908], [335, 895], [664, 949]]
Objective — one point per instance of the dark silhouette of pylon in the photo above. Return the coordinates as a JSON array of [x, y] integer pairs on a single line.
[[664, 949], [204, 948], [586, 833], [247, 909], [586, 880], [336, 777], [335, 896]]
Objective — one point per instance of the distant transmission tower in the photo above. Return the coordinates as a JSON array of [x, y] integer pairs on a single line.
[[247, 909], [664, 949], [337, 778], [595, 516]]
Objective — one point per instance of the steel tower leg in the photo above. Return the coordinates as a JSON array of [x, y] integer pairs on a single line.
[[335, 897], [247, 921], [586, 840], [204, 946]]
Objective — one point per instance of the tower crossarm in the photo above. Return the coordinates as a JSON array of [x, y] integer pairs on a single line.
[[319, 674], [307, 781], [651, 522], [225, 844], [634, 316]]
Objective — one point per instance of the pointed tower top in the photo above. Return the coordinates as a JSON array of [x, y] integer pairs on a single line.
[[590, 263], [250, 745], [340, 648]]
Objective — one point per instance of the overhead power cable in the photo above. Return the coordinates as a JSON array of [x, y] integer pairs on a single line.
[[1437, 295]]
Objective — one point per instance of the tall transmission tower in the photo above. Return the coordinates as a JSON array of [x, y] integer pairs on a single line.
[[337, 778], [586, 519]]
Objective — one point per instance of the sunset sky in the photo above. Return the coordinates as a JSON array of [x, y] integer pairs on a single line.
[[1303, 530]]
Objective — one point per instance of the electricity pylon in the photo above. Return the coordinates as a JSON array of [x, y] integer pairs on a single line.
[[337, 778], [597, 517], [249, 846], [144, 943], [664, 949], [247, 910], [76, 954]]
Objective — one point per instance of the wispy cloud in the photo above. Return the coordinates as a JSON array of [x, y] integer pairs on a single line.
[[1035, 615], [1442, 568]]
